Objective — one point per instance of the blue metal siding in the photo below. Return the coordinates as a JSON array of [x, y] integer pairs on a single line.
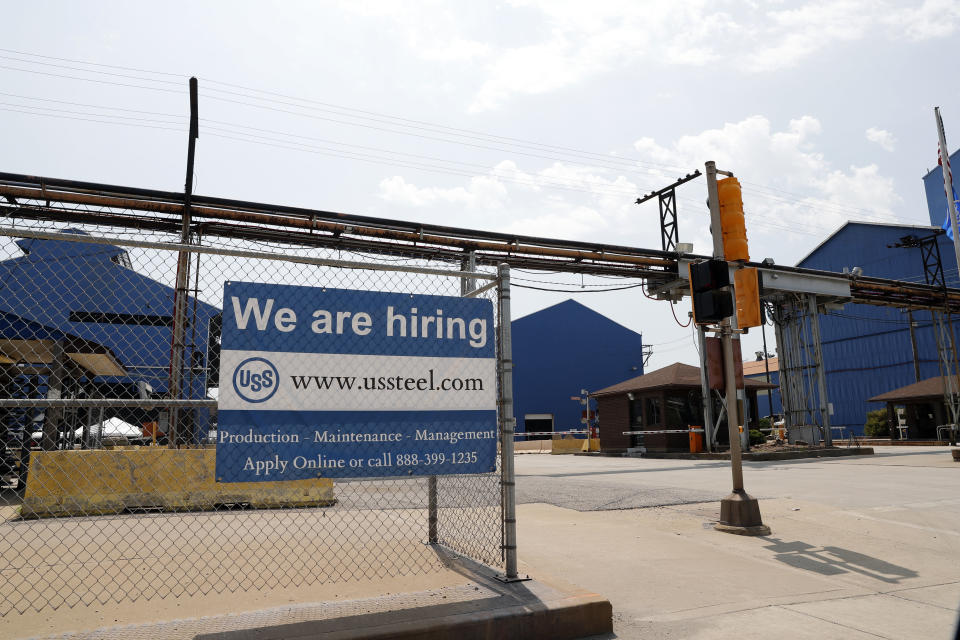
[[866, 349], [933, 186], [763, 407], [565, 348], [56, 278]]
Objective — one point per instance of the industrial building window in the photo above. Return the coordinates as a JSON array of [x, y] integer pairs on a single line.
[[653, 412]]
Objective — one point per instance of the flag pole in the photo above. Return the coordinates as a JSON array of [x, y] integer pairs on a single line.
[[948, 186]]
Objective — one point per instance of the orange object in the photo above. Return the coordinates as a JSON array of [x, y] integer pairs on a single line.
[[150, 429], [696, 440], [747, 290], [731, 220]]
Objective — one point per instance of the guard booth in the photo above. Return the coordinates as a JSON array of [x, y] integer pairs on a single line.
[[917, 411], [668, 399]]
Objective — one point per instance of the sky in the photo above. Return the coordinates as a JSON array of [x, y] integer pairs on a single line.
[[539, 117]]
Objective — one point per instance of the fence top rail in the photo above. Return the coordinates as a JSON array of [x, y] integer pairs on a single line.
[[97, 403], [14, 232]]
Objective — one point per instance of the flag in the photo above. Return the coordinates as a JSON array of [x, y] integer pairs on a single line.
[[943, 161], [946, 219]]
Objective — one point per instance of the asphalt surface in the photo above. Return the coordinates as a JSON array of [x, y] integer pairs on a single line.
[[861, 547]]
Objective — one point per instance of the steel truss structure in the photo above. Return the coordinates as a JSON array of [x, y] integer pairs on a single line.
[[796, 293]]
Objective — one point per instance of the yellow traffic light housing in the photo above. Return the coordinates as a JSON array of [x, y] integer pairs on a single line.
[[731, 220], [746, 286]]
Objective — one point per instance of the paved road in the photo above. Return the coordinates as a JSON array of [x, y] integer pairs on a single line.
[[861, 547]]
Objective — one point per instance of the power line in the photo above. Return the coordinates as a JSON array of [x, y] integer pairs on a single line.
[[293, 146], [107, 82], [93, 106], [66, 117], [604, 161], [104, 73], [344, 110], [426, 126], [95, 64], [536, 181]]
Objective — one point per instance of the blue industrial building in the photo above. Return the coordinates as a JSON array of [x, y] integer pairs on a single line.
[[868, 350], [936, 196], [768, 400], [111, 326], [561, 350]]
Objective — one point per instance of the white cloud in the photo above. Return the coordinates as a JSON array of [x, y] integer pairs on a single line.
[[882, 137], [801, 192], [932, 19], [482, 192], [559, 200], [562, 43], [793, 195]]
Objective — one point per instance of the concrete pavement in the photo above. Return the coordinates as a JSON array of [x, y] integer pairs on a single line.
[[860, 548]]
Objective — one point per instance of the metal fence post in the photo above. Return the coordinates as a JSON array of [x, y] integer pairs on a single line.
[[821, 370], [508, 424], [706, 395]]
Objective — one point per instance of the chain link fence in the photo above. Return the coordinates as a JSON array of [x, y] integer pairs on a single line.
[[133, 469]]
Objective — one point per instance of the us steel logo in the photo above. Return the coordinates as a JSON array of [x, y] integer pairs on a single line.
[[256, 380]]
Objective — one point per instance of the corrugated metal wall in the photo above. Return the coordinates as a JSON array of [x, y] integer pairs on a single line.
[[867, 349], [763, 407], [933, 186], [562, 349]]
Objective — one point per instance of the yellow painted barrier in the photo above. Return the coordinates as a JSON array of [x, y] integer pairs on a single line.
[[99, 482], [567, 444]]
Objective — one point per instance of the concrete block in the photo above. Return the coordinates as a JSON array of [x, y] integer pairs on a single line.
[[99, 482]]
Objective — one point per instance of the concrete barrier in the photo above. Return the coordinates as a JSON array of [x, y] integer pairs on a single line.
[[569, 444], [100, 482]]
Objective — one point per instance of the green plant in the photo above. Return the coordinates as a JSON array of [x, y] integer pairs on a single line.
[[757, 437], [764, 423], [877, 426]]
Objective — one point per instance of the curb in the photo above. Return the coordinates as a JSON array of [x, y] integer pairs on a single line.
[[776, 455], [577, 616], [524, 609]]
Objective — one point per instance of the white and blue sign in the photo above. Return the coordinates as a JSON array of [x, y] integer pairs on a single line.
[[335, 383]]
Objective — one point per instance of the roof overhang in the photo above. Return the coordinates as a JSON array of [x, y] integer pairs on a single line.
[[93, 358]]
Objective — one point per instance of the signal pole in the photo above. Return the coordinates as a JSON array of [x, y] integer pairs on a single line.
[[739, 512]]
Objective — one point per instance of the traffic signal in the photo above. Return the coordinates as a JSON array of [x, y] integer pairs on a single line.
[[709, 282], [746, 285], [731, 220]]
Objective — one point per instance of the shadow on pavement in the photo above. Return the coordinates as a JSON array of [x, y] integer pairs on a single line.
[[830, 561]]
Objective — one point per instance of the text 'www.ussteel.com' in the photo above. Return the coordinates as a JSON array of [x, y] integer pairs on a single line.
[[386, 383]]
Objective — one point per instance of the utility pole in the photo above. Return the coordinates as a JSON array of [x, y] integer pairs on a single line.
[[913, 346], [739, 512], [177, 344], [766, 368], [706, 395]]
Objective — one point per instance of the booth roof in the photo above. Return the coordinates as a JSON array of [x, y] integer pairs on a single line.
[[929, 388], [674, 375]]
